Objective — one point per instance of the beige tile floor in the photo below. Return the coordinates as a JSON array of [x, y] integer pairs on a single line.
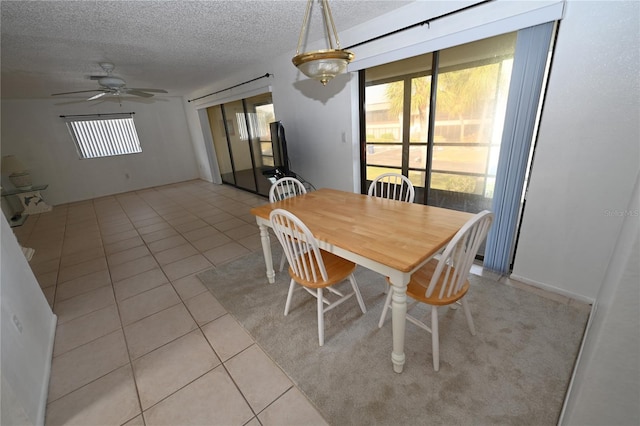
[[139, 340]]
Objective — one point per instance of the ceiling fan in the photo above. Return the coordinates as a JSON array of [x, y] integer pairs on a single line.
[[112, 85]]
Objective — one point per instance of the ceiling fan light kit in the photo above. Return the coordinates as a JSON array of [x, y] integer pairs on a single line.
[[324, 64], [111, 85], [112, 82]]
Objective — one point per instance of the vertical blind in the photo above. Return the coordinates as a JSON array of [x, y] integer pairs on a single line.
[[530, 60]]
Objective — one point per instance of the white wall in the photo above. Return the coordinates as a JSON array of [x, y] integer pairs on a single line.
[[27, 326], [606, 383], [588, 150], [318, 126], [198, 141], [317, 119], [33, 131]]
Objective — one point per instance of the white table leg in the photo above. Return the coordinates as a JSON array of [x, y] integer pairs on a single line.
[[266, 250], [398, 319]]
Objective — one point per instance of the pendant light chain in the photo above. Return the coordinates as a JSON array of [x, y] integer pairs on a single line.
[[305, 22], [329, 19], [323, 64]]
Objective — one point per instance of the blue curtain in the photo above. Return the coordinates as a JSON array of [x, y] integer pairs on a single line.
[[530, 59]]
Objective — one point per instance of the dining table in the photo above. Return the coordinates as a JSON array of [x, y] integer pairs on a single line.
[[393, 238]]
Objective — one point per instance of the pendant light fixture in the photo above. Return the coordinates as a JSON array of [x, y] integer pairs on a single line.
[[322, 65]]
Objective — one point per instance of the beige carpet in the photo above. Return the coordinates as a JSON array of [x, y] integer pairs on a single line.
[[514, 371]]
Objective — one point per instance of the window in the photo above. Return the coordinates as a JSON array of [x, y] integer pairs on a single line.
[[104, 135]]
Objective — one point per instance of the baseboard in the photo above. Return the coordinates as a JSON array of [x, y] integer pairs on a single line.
[[567, 395], [553, 289], [44, 392]]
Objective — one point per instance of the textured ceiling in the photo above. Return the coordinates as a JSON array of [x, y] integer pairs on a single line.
[[181, 46]]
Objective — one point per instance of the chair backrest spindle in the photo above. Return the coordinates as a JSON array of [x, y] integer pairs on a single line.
[[455, 262], [284, 188], [393, 186], [300, 246]]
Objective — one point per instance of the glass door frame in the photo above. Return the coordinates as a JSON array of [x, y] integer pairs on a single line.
[[423, 194], [243, 128]]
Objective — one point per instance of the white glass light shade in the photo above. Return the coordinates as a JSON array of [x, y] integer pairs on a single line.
[[323, 65]]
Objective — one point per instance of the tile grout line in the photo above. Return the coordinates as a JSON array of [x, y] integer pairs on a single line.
[[153, 200]]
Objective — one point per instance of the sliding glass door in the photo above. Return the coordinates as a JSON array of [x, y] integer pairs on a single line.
[[397, 99], [221, 144], [241, 139], [438, 119], [460, 123]]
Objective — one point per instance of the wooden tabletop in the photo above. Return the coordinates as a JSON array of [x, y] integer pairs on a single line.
[[397, 234]]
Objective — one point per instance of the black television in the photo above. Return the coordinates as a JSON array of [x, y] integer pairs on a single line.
[[279, 146]]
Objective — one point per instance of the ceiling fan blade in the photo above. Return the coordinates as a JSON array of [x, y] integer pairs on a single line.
[[79, 91], [75, 101], [136, 92], [99, 95], [99, 102], [150, 90]]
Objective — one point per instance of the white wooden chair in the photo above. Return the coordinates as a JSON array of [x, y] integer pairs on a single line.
[[281, 189], [286, 187], [312, 268], [443, 281], [393, 186]]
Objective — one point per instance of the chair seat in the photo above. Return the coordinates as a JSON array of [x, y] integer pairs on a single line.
[[338, 269], [419, 282]]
